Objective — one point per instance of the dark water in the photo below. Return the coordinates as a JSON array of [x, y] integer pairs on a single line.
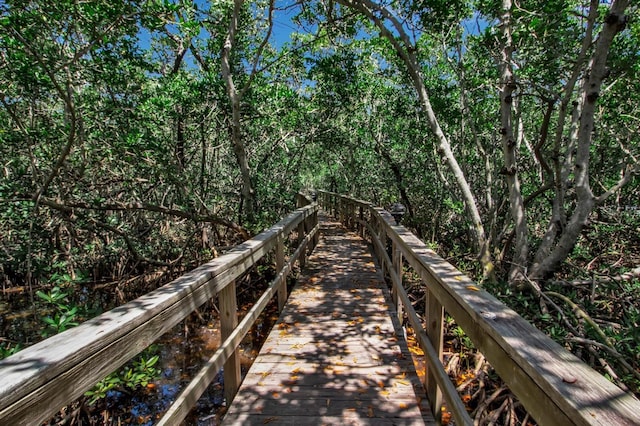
[[182, 352]]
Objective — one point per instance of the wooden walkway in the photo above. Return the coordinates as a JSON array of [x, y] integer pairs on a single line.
[[337, 355]]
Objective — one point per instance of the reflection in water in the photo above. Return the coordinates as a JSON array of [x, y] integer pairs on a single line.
[[182, 353]]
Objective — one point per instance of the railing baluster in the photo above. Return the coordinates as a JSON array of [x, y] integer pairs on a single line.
[[397, 267], [382, 236], [434, 313], [301, 234], [228, 321], [282, 291], [531, 364], [316, 236]]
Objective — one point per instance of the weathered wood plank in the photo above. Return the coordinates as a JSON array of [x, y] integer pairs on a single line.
[[353, 390], [335, 341], [553, 385], [346, 419], [434, 314], [275, 404], [189, 396], [228, 306], [40, 379]]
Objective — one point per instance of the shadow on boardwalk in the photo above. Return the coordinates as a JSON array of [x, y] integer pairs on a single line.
[[335, 356]]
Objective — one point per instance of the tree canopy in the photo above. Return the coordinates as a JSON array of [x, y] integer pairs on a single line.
[[150, 134], [121, 114]]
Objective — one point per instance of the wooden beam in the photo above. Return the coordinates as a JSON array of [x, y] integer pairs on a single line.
[[188, 398], [40, 379], [228, 306], [434, 314], [553, 385], [282, 292], [397, 268]]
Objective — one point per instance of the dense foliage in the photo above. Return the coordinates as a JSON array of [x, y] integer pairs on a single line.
[[138, 137]]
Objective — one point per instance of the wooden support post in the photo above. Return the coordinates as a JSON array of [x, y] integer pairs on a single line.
[[375, 227], [349, 217], [347, 213], [309, 227], [361, 217], [301, 234], [282, 291], [352, 216], [382, 236], [316, 236], [434, 313], [228, 321], [396, 257]]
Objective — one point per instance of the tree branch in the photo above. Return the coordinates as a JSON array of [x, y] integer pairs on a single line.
[[131, 247], [69, 207], [629, 172], [258, 54]]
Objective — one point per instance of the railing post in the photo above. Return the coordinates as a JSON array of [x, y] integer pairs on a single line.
[[434, 313], [352, 215], [347, 213], [316, 236], [228, 321], [347, 219], [332, 205], [282, 290], [360, 223], [382, 236], [375, 227], [344, 209], [396, 256], [301, 234]]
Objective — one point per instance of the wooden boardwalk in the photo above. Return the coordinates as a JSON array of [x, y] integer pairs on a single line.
[[337, 354]]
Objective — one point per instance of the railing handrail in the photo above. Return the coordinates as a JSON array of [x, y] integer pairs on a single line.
[[554, 386], [40, 379]]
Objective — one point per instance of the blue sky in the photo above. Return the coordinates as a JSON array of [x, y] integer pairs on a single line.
[[281, 32], [283, 26]]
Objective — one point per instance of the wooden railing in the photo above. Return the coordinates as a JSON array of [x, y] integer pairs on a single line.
[[37, 381], [554, 386]]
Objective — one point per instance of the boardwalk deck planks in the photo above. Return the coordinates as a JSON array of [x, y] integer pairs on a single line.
[[337, 354]]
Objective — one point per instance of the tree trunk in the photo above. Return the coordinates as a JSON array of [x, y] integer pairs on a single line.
[[239, 148], [558, 214], [509, 149], [615, 22], [406, 50]]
